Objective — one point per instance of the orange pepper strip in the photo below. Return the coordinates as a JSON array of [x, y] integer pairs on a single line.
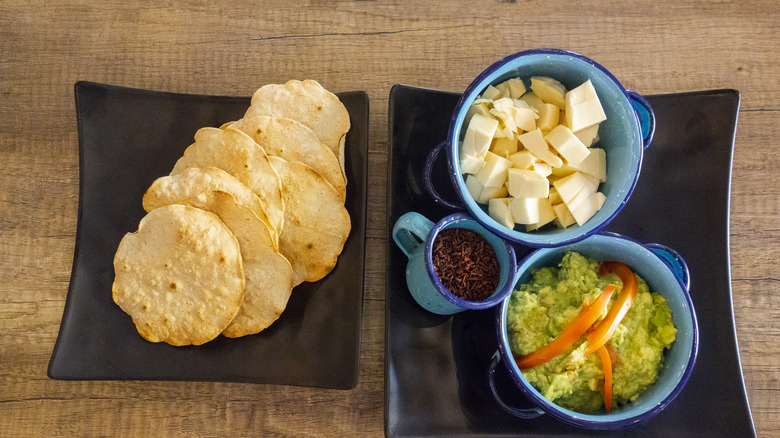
[[606, 363], [587, 316], [603, 331]]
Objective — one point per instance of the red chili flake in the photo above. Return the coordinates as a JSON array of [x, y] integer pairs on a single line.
[[466, 264]]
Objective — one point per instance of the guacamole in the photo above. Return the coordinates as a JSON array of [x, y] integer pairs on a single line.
[[539, 311]]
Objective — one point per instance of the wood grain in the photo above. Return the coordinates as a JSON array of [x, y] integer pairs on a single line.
[[231, 49]]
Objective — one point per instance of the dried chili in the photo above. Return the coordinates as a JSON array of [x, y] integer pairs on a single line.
[[466, 264]]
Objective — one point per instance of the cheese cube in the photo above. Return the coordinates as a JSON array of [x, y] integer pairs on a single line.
[[563, 217], [595, 164], [470, 163], [567, 144], [523, 183], [491, 93], [546, 215], [525, 116], [569, 186], [600, 199], [588, 136], [541, 168], [493, 174], [503, 110], [534, 141], [586, 209], [491, 192], [473, 186], [548, 117], [500, 212], [522, 159], [554, 197], [532, 100], [583, 107], [549, 90], [504, 147], [584, 194], [479, 135], [503, 88], [477, 108], [525, 210], [516, 87]]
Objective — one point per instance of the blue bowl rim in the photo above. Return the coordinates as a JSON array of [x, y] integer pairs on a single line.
[[511, 234], [591, 421]]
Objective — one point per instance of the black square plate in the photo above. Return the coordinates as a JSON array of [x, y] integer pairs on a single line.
[[436, 367], [127, 139]]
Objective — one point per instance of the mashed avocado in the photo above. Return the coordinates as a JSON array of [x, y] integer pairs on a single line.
[[539, 311]]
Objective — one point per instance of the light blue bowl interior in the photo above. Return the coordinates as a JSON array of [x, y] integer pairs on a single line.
[[620, 136], [499, 247], [678, 359]]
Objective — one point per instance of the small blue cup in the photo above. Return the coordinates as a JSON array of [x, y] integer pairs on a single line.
[[666, 273], [415, 235], [625, 134]]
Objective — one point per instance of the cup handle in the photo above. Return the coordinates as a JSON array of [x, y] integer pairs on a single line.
[[674, 260], [410, 231], [645, 115], [428, 178], [525, 414]]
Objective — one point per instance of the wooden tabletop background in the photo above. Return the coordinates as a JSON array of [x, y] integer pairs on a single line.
[[229, 48]]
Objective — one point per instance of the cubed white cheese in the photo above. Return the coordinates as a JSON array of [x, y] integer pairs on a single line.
[[588, 136], [492, 192], [478, 108], [504, 147], [470, 163], [532, 100], [479, 135], [516, 87], [491, 93], [586, 209], [569, 186], [525, 116], [554, 197], [500, 212], [585, 192], [583, 107], [548, 117], [546, 215], [534, 141], [542, 168], [563, 217], [523, 159], [549, 90], [525, 210], [504, 110], [527, 184], [473, 186], [567, 144], [493, 173], [595, 164]]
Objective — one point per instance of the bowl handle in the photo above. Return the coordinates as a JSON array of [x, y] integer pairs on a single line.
[[674, 260], [428, 178], [410, 231], [645, 115], [525, 414]]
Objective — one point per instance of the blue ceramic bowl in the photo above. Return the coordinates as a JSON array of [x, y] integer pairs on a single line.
[[415, 236], [624, 135], [666, 273]]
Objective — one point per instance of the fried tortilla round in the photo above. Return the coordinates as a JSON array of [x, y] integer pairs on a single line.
[[294, 141], [174, 189], [269, 276], [316, 223], [237, 154], [309, 103], [180, 276]]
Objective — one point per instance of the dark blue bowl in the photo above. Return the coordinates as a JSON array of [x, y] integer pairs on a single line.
[[667, 274], [624, 135]]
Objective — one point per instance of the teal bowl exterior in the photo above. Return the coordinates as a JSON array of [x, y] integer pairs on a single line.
[[666, 273], [624, 135]]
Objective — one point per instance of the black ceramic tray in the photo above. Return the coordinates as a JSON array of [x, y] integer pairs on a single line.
[[128, 138], [437, 366]]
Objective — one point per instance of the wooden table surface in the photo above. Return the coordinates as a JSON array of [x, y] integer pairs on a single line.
[[231, 49]]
